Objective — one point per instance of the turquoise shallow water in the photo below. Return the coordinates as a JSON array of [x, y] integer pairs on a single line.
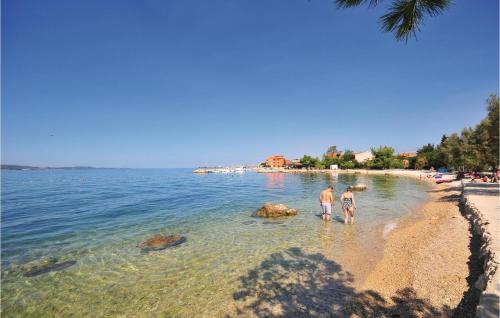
[[97, 217]]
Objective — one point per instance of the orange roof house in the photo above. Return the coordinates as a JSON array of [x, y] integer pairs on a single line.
[[407, 155], [277, 161], [334, 155]]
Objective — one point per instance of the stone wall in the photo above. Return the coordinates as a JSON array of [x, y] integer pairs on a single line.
[[487, 252]]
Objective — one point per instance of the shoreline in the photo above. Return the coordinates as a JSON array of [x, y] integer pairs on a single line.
[[428, 258], [418, 174]]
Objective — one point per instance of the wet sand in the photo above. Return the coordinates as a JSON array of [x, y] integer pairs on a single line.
[[427, 257]]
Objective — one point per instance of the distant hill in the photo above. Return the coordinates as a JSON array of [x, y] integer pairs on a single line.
[[18, 167]]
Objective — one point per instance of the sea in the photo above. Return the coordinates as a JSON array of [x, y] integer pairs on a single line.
[[231, 264]]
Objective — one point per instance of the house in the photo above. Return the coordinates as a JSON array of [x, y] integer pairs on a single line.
[[293, 164], [407, 155], [334, 155], [362, 156], [276, 161]]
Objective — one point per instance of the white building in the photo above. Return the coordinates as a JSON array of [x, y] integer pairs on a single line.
[[362, 156]]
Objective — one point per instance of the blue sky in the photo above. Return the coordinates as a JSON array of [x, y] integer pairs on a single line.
[[187, 83]]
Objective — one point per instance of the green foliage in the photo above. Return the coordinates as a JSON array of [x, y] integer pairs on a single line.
[[433, 156], [346, 161], [319, 165], [420, 162], [348, 155], [348, 165], [328, 161], [396, 163], [474, 149], [309, 161], [383, 157], [331, 149], [404, 17], [489, 132]]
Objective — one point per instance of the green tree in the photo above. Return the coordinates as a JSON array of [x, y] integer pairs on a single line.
[[432, 154], [308, 161], [347, 164], [404, 17], [474, 149], [452, 151], [487, 136], [331, 149], [383, 158], [319, 165], [348, 155], [421, 162], [328, 161]]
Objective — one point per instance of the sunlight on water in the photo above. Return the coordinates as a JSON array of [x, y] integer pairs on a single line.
[[97, 218]]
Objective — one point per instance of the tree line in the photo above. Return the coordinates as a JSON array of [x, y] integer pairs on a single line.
[[384, 157], [474, 149]]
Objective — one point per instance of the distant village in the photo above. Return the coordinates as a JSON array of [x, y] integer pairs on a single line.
[[382, 157]]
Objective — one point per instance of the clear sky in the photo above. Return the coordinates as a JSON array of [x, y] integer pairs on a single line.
[[121, 83]]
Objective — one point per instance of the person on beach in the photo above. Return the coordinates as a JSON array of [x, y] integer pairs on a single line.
[[348, 205], [326, 200]]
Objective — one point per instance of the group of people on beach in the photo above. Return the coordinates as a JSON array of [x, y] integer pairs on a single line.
[[347, 203], [491, 178]]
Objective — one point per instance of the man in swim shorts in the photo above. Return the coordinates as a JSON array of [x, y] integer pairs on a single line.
[[326, 201]]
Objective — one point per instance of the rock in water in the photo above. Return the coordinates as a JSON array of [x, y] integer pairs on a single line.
[[272, 223], [359, 187], [45, 265], [269, 210], [160, 242]]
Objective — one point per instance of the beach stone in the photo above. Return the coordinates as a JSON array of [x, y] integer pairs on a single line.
[[44, 265], [160, 242], [359, 187], [272, 223], [269, 210]]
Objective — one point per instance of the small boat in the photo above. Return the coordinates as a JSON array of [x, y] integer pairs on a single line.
[[201, 171]]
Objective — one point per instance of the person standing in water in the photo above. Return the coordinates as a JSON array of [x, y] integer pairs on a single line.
[[348, 205], [326, 201]]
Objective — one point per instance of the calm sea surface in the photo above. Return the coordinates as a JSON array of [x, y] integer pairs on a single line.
[[97, 218]]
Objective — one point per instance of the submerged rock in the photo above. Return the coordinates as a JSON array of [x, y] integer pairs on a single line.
[[269, 210], [248, 222], [272, 223], [359, 187], [44, 265], [160, 242]]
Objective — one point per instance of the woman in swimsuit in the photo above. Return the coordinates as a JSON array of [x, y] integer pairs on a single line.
[[348, 205]]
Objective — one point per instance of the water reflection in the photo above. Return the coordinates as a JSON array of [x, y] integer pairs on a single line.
[[310, 179], [275, 181], [385, 186], [348, 179]]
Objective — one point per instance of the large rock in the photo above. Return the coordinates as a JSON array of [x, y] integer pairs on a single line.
[[45, 265], [160, 242], [269, 210], [358, 187]]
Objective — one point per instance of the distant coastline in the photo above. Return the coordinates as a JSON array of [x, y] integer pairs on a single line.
[[20, 167]]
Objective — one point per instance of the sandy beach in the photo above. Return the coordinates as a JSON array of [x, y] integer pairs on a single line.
[[426, 260], [430, 260]]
